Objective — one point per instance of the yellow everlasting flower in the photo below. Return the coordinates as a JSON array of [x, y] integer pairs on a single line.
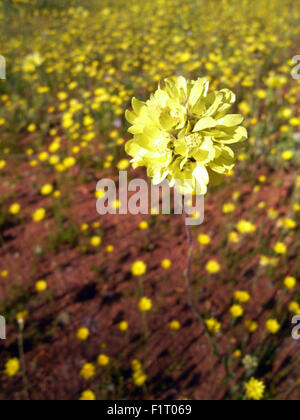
[[204, 239], [103, 360], [41, 286], [280, 248], [138, 269], [83, 334], [213, 325], [175, 326], [213, 267], [87, 395], [95, 241], [182, 134], [273, 326], [123, 326], [88, 371], [245, 227], [12, 367], [15, 209], [242, 297], [166, 264], [145, 304], [290, 282], [39, 215], [255, 389], [237, 311]]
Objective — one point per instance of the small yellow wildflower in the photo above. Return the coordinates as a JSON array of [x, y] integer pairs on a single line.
[[41, 286], [123, 326], [280, 248], [175, 326], [213, 267], [245, 227], [204, 239], [255, 389], [83, 334], [237, 311], [138, 269], [242, 297], [12, 367], [145, 304], [166, 264], [15, 209], [39, 215], [290, 282], [103, 360], [95, 241], [87, 395], [88, 371], [213, 325], [273, 326]]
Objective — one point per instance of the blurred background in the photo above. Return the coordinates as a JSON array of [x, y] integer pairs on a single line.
[[96, 306]]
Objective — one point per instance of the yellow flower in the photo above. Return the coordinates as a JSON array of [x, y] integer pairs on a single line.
[[166, 264], [294, 307], [138, 269], [289, 223], [103, 360], [123, 165], [2, 164], [100, 194], [182, 134], [69, 162], [41, 286], [233, 237], [43, 157], [87, 395], [213, 267], [15, 209], [237, 311], [204, 239], [31, 128], [255, 389], [12, 367], [88, 371], [139, 378], [136, 365], [290, 282], [245, 227], [175, 326], [123, 326], [84, 227], [213, 325], [4, 273], [95, 241], [109, 249], [21, 316], [143, 226], [237, 354], [83, 334], [287, 155], [145, 304], [251, 326], [273, 326], [228, 208], [280, 248], [242, 297], [39, 215]]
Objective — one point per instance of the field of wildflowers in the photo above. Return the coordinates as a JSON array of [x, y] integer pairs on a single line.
[[120, 307]]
